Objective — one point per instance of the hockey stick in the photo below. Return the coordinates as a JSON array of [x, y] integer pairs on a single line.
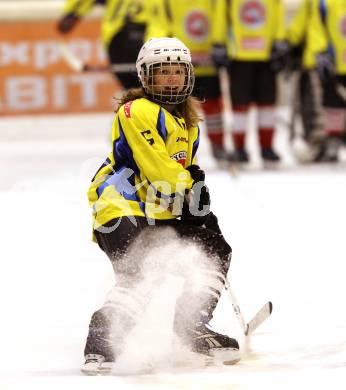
[[78, 65], [263, 313], [224, 81], [224, 86]]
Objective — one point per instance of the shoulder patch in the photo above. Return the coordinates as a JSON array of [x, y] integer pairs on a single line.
[[127, 109]]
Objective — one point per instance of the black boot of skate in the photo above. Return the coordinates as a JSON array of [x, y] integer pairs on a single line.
[[269, 155], [329, 150], [108, 330], [99, 350], [219, 347], [192, 321], [240, 156]]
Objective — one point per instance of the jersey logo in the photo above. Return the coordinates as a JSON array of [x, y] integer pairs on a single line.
[[147, 135], [182, 139], [180, 157], [253, 14], [253, 43], [127, 109], [197, 26]]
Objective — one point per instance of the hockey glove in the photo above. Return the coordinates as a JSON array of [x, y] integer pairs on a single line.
[[67, 23], [219, 56], [295, 58], [280, 56], [196, 173], [196, 206], [211, 223]]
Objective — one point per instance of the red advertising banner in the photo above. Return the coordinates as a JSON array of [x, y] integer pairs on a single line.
[[35, 79]]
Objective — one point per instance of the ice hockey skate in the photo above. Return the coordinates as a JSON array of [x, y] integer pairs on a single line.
[[240, 156], [215, 347], [269, 155], [328, 152], [96, 365], [220, 154], [108, 330]]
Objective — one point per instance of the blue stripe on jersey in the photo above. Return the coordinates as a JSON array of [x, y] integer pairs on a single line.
[[195, 145], [160, 125], [323, 14], [123, 178], [323, 11], [124, 182], [122, 152], [142, 206]]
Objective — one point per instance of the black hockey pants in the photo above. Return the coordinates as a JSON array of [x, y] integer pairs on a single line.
[[116, 237]]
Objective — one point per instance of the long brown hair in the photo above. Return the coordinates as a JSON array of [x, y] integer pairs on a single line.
[[187, 109]]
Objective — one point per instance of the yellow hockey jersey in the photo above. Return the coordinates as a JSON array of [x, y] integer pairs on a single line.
[[191, 22], [145, 173], [299, 31], [249, 27], [117, 13], [329, 31]]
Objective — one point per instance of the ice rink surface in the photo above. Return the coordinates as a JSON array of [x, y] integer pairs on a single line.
[[286, 228]]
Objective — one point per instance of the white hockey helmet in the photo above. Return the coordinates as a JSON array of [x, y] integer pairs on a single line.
[[157, 52]]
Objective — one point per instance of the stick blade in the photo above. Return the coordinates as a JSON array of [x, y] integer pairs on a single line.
[[259, 317]]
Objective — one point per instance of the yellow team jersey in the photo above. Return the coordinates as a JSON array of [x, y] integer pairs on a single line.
[[145, 173], [329, 31], [250, 27], [191, 22], [299, 31], [117, 13]]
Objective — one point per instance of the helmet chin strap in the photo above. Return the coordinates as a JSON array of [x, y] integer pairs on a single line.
[[168, 105], [169, 101]]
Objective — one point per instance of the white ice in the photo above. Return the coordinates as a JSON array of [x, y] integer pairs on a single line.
[[286, 227]]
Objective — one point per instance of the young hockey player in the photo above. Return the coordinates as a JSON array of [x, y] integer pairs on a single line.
[[122, 30], [152, 169]]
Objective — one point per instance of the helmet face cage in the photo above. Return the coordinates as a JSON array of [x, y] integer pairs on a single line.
[[169, 82], [165, 70]]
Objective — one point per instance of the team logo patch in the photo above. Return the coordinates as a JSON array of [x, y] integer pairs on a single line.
[[343, 26], [180, 157], [127, 109], [197, 26], [253, 43], [252, 14]]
